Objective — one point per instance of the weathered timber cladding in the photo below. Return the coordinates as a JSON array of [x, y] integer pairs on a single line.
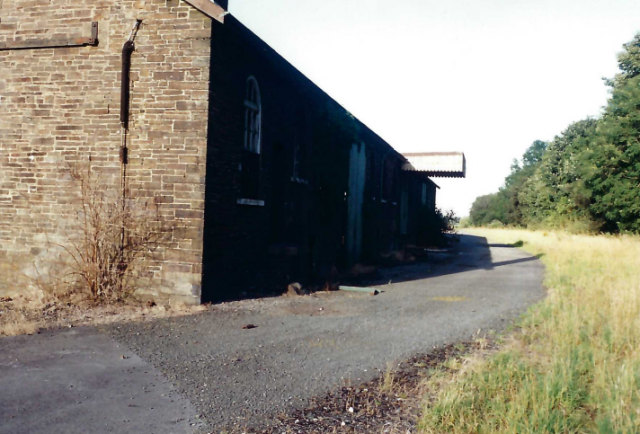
[[299, 232], [60, 106]]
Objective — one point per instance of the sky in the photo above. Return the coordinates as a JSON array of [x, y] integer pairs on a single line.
[[485, 77]]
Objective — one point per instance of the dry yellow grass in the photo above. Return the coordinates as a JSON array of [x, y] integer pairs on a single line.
[[27, 316], [19, 316], [573, 364], [449, 298], [17, 323], [388, 379]]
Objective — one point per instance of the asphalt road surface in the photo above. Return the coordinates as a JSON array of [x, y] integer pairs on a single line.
[[189, 374]]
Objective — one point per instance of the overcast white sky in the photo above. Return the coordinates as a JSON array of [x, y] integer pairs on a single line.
[[486, 77]]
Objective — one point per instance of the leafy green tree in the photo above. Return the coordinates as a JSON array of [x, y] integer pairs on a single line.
[[555, 194], [613, 173], [628, 62], [515, 182], [533, 155], [488, 208], [589, 174], [504, 206]]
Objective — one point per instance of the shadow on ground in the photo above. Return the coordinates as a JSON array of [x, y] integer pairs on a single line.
[[468, 253]]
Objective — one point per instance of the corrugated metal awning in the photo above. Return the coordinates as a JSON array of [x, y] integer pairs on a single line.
[[437, 164]]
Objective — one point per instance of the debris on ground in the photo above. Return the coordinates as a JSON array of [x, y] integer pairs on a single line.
[[380, 405], [370, 291], [294, 289], [249, 327]]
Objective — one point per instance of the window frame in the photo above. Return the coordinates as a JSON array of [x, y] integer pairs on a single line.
[[253, 116], [251, 164]]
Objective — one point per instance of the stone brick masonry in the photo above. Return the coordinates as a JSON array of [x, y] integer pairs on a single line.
[[61, 106]]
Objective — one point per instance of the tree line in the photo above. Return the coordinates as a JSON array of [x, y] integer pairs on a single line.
[[585, 179]]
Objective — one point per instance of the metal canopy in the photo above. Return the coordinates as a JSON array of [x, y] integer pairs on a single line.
[[437, 164]]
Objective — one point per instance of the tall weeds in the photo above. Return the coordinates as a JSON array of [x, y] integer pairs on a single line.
[[106, 235], [573, 364]]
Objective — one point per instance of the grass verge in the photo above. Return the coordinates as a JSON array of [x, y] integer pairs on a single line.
[[573, 362]]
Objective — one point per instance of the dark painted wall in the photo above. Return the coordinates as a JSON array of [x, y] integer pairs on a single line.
[[298, 234]]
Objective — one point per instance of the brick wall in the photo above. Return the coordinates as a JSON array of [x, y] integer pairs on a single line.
[[60, 106]]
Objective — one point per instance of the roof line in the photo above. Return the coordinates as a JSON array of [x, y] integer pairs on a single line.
[[264, 44], [425, 154], [209, 8]]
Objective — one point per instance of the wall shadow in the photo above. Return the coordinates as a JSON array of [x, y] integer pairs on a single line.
[[518, 243], [469, 254]]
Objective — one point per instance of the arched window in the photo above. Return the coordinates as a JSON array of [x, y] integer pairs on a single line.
[[250, 168], [252, 117]]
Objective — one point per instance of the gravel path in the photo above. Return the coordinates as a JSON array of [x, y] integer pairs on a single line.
[[78, 381], [305, 346]]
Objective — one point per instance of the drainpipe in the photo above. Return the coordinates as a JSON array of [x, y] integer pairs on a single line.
[[125, 96], [125, 88], [125, 83]]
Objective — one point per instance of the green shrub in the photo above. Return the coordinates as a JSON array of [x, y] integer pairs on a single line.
[[495, 224]]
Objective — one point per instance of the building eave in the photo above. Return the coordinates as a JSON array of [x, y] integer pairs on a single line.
[[436, 164], [210, 9]]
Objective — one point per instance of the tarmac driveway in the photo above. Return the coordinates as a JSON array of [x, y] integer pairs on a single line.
[[302, 347]]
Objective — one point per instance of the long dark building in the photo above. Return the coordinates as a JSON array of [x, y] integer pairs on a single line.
[[271, 180]]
